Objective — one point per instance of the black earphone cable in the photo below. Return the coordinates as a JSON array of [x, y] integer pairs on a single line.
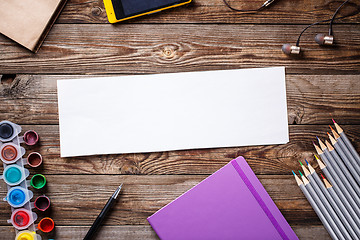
[[331, 20], [265, 4], [333, 17]]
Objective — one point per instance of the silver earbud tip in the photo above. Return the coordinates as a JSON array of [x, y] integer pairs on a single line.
[[288, 49]]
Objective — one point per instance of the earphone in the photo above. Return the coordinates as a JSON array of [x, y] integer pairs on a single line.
[[320, 38], [265, 5]]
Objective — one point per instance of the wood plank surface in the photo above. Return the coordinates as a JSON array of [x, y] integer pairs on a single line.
[[272, 159], [154, 48], [323, 83], [79, 204], [215, 11], [145, 232], [311, 99]]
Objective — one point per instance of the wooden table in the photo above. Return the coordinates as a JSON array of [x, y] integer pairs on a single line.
[[204, 35]]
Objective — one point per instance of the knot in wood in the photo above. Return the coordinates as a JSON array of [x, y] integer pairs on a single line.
[[168, 52], [96, 11], [7, 78]]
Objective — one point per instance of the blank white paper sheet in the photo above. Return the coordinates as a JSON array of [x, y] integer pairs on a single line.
[[172, 111]]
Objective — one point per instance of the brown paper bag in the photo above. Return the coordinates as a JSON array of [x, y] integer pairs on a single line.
[[28, 21]]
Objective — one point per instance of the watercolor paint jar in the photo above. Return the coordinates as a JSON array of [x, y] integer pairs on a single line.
[[27, 235], [8, 131], [30, 138], [42, 203], [34, 159], [10, 153], [46, 225], [18, 196], [22, 218], [38, 181], [14, 174]]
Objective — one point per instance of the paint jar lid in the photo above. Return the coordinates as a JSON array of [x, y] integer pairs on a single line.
[[30, 137], [8, 131], [34, 159], [10, 153], [14, 174], [22, 218], [27, 235], [38, 181], [46, 225], [18, 196], [42, 203]]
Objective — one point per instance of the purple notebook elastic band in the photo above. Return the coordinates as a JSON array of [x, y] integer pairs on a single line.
[[259, 200]]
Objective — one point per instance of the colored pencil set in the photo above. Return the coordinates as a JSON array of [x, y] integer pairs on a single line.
[[15, 176], [335, 199]]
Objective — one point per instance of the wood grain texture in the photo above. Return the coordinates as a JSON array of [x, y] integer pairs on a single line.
[[215, 11], [272, 159], [204, 35], [153, 48], [76, 200], [311, 99], [145, 232]]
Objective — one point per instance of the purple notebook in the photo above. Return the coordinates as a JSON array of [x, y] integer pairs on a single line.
[[229, 204]]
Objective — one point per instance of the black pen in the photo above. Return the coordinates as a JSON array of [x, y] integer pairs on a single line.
[[103, 214]]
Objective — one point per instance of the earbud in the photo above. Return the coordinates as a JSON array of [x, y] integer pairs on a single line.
[[288, 49], [321, 39]]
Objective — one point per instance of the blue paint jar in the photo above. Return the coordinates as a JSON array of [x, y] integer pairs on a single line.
[[14, 174], [18, 196]]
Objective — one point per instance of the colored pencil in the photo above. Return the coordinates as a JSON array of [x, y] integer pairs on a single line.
[[339, 179], [322, 145], [343, 168], [342, 207], [345, 149], [317, 184], [315, 207], [347, 142], [347, 200], [326, 202], [329, 159], [321, 206], [353, 168]]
